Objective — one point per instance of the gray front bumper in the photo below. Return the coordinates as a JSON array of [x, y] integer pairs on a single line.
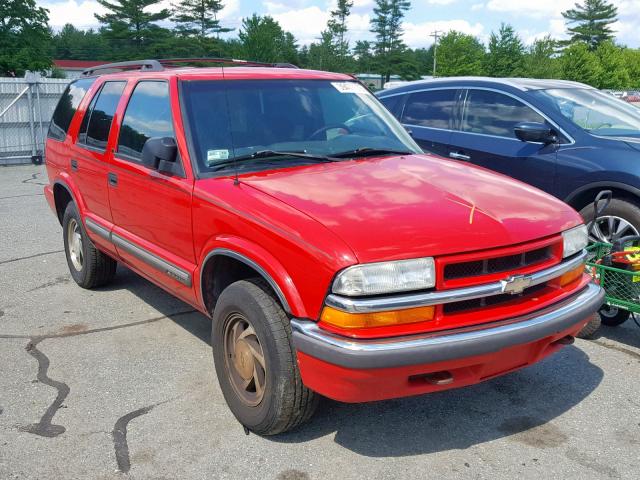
[[309, 338]]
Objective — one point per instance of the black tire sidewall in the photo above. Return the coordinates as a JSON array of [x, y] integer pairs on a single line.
[[619, 208], [618, 319], [237, 298], [71, 212]]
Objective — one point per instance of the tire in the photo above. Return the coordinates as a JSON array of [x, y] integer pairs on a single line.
[[621, 209], [590, 329], [89, 267], [612, 316], [284, 402]]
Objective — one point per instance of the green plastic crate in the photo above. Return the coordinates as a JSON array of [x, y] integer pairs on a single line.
[[622, 287]]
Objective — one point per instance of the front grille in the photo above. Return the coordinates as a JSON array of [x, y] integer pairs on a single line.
[[458, 307], [502, 264]]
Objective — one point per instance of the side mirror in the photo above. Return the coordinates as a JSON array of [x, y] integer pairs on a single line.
[[161, 154], [535, 132]]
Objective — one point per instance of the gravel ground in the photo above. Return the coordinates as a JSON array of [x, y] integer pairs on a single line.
[[119, 382]]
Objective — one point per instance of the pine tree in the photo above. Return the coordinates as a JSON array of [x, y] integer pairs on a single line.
[[199, 18], [506, 50], [387, 27], [127, 20], [337, 25], [592, 22]]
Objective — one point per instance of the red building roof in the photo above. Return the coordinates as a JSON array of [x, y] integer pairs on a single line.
[[78, 64]]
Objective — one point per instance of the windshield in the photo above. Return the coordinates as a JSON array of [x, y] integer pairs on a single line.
[[595, 111], [244, 119]]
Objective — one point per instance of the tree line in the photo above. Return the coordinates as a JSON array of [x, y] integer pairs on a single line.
[[130, 30]]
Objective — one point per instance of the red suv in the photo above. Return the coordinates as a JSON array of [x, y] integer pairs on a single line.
[[333, 256]]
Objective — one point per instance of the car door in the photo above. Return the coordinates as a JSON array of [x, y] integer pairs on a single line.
[[430, 117], [486, 137], [89, 156], [151, 211]]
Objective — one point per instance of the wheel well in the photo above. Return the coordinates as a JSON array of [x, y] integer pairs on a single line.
[[220, 271], [61, 197], [585, 198]]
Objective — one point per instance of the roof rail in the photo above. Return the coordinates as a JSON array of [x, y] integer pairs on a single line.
[[146, 65], [161, 64]]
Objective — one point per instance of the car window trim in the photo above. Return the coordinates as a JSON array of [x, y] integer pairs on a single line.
[[95, 96], [466, 88]]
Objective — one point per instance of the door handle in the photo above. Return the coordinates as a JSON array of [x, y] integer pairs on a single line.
[[459, 156], [74, 165], [113, 179]]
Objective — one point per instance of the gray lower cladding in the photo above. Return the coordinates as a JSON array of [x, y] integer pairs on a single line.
[[309, 338], [140, 253]]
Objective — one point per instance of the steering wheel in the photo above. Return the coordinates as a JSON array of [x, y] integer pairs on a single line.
[[331, 126]]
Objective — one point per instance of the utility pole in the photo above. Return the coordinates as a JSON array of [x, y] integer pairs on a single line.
[[436, 36]]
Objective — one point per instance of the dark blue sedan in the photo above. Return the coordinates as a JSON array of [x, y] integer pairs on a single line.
[[563, 137]]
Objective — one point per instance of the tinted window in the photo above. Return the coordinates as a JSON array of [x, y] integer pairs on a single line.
[[82, 135], [148, 115], [493, 113], [430, 109], [393, 104], [67, 106], [102, 114]]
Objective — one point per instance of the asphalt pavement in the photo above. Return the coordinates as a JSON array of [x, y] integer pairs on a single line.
[[119, 382]]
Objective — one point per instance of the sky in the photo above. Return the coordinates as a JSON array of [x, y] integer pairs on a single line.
[[306, 18]]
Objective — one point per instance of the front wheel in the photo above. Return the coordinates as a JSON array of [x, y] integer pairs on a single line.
[[255, 362], [620, 219]]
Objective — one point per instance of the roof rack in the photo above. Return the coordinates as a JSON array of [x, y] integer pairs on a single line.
[[162, 64]]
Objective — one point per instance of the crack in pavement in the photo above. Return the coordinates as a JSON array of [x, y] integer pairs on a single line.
[[45, 427], [11, 260], [119, 434], [25, 195], [34, 176]]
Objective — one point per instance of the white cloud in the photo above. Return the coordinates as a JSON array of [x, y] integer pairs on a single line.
[[80, 13], [538, 9], [477, 6], [418, 34], [441, 2]]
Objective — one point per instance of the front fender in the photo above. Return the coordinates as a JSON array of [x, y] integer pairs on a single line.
[[259, 259]]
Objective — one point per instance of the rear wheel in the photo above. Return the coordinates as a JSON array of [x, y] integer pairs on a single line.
[[89, 267], [613, 316], [255, 362]]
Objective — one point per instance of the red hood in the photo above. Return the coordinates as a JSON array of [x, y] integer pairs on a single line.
[[419, 205]]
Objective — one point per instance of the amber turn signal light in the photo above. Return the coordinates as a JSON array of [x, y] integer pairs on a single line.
[[571, 276], [341, 319]]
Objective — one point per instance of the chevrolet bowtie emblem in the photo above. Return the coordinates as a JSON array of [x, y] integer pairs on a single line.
[[515, 284]]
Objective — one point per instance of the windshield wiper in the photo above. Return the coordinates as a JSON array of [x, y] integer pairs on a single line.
[[274, 153], [368, 151]]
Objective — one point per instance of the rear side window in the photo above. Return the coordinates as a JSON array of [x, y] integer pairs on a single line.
[[101, 114], [67, 106], [393, 104], [493, 113], [148, 115], [432, 108]]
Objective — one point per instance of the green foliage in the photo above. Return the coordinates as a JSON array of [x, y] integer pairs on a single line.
[[591, 22], [580, 64], [130, 26], [459, 54], [386, 24], [337, 26], [632, 62], [540, 60], [198, 18], [264, 40], [506, 52], [24, 37], [614, 69]]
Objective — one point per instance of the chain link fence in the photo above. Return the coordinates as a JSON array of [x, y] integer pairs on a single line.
[[26, 106]]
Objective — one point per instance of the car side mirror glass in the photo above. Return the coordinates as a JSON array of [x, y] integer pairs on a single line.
[[161, 154], [535, 132]]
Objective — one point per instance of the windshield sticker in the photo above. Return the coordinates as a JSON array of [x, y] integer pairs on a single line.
[[349, 87], [214, 156]]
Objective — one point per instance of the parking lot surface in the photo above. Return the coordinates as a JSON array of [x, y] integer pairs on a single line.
[[119, 382]]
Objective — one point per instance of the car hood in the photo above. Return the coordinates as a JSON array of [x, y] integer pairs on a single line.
[[419, 205]]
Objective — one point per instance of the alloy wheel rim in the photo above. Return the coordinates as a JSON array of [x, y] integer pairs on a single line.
[[609, 228], [244, 359], [74, 240], [609, 311]]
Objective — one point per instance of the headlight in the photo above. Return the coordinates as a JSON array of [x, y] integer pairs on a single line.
[[574, 240], [386, 277]]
